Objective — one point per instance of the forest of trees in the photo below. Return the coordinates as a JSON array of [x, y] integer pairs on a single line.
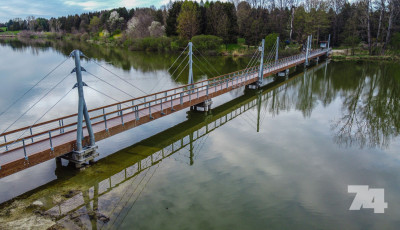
[[373, 24]]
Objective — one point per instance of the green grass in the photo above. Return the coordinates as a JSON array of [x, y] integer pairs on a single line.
[[231, 47], [10, 32]]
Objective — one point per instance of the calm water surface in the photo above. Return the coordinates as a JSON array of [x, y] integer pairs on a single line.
[[278, 158]]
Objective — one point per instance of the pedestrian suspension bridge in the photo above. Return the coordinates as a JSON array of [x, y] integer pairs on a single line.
[[74, 137]]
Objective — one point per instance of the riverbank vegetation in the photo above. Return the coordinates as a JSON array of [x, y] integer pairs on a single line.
[[229, 28]]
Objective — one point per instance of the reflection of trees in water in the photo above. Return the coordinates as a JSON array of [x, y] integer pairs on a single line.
[[298, 94], [141, 61], [371, 111], [369, 92]]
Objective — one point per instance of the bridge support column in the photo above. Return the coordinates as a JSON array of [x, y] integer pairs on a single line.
[[307, 51], [277, 50], [82, 154], [190, 77], [261, 70], [329, 42], [283, 74], [255, 85], [204, 106]]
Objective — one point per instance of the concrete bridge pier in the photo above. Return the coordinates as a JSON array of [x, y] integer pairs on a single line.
[[204, 106], [255, 85], [283, 74], [80, 158]]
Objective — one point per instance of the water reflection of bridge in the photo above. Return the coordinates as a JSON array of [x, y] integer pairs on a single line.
[[134, 163]]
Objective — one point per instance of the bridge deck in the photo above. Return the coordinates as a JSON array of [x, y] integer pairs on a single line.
[[26, 150]]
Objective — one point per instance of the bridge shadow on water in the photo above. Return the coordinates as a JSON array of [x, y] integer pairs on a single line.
[[105, 192]]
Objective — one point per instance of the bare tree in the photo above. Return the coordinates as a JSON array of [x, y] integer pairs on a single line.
[[138, 25], [392, 8], [368, 10], [382, 9], [337, 6], [31, 22], [156, 29]]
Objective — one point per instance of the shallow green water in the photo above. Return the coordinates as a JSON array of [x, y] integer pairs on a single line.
[[278, 158]]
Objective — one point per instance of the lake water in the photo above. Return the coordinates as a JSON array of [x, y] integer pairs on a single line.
[[281, 157]]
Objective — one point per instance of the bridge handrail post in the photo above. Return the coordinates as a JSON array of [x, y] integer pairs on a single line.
[[105, 120], [122, 118], [30, 130], [172, 105], [5, 141], [51, 142], [23, 144], [162, 111], [150, 110], [137, 112]]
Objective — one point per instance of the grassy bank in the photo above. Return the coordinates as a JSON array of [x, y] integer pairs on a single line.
[[5, 33], [206, 44], [361, 54]]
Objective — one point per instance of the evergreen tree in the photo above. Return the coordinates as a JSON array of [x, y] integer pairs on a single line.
[[172, 18]]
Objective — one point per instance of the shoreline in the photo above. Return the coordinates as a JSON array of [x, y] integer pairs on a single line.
[[364, 58], [336, 55]]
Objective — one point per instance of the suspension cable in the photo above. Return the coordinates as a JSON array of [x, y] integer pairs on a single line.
[[110, 84], [116, 75], [181, 71], [218, 74], [35, 104], [16, 101], [42, 116], [200, 68], [205, 67], [179, 65], [177, 58], [104, 94], [171, 74]]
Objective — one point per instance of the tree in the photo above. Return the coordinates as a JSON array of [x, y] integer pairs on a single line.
[[115, 21], [270, 41], [156, 29], [31, 22], [188, 23], [42, 24], [138, 25], [244, 19], [172, 18], [94, 25], [394, 9], [351, 31]]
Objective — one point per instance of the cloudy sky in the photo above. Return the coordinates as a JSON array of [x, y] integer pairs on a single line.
[[10, 9]]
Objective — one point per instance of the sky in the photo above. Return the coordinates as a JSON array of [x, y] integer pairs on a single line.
[[10, 9]]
